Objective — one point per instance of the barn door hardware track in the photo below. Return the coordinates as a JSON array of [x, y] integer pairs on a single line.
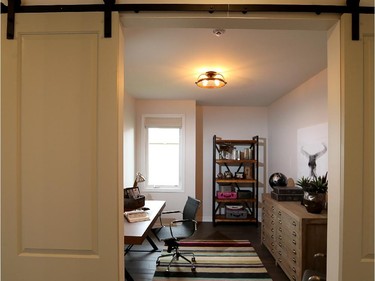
[[109, 6]]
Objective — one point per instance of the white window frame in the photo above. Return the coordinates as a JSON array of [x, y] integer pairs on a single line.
[[144, 154]]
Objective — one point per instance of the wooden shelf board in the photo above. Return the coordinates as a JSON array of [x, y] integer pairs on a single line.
[[235, 162], [238, 200], [222, 218], [221, 181], [237, 142]]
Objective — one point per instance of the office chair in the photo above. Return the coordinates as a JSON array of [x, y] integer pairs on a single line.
[[178, 230], [313, 274]]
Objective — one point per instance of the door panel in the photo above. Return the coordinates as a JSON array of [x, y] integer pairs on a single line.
[[357, 150], [61, 149], [58, 127]]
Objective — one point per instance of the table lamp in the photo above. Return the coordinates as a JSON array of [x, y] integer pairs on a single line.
[[138, 178]]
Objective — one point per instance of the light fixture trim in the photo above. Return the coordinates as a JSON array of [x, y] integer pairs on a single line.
[[218, 31], [211, 80]]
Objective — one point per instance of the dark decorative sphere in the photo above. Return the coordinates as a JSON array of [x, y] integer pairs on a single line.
[[277, 179]]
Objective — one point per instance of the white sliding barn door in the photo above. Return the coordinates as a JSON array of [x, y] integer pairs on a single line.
[[61, 144], [357, 157]]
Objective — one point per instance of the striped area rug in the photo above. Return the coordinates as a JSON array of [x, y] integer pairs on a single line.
[[215, 260]]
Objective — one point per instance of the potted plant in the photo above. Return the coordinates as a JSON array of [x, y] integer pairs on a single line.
[[315, 189]]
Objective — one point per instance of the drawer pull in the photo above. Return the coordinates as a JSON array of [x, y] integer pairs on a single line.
[[272, 215], [280, 260], [272, 236], [280, 229], [294, 223], [280, 244], [294, 234], [294, 252], [272, 244], [272, 230], [280, 222], [294, 260], [294, 270], [293, 277], [280, 237], [279, 213], [294, 242], [280, 253]]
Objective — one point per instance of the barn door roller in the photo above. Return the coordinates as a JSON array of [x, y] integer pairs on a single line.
[[13, 5], [109, 4], [353, 6]]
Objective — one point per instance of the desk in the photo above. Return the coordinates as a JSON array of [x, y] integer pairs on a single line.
[[136, 232]]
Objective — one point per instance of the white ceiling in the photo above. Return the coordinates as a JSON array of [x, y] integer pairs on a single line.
[[260, 65], [262, 56]]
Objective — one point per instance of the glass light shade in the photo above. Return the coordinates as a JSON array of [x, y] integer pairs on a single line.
[[211, 80]]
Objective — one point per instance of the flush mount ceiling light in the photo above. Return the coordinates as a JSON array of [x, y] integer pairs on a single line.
[[218, 31], [211, 80]]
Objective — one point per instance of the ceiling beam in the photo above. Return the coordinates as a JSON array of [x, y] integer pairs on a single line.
[[14, 6]]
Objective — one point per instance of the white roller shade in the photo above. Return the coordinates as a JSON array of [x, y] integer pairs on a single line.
[[163, 122]]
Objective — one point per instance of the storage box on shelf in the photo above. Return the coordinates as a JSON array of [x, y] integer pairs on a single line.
[[282, 193], [292, 235], [235, 212], [235, 165], [227, 195]]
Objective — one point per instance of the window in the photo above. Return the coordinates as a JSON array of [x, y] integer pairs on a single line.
[[164, 146]]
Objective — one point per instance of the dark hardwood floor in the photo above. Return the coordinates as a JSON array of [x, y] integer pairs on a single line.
[[140, 263]]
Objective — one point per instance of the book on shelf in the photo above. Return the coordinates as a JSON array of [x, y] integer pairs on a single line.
[[136, 215]]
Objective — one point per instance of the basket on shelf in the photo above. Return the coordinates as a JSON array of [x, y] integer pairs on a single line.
[[133, 199]]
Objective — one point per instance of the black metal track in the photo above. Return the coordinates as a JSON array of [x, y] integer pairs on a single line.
[[236, 8], [14, 6]]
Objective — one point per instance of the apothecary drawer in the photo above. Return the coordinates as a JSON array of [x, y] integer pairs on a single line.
[[287, 240], [292, 225], [288, 222]]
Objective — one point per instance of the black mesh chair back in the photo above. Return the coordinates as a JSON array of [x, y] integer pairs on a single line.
[[177, 230], [191, 208]]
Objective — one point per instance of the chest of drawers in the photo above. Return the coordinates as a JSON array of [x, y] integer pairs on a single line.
[[292, 235]]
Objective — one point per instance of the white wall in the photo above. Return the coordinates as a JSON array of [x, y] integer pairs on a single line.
[[228, 123], [305, 106], [278, 124], [129, 140], [174, 201]]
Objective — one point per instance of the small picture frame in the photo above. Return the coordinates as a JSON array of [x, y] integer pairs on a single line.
[[131, 192], [248, 173]]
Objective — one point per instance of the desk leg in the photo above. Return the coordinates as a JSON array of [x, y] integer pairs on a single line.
[[128, 276], [149, 239], [127, 249]]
